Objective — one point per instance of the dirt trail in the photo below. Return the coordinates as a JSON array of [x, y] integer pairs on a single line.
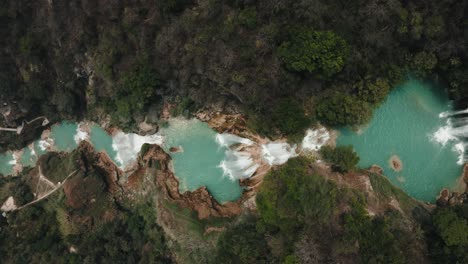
[[57, 187]]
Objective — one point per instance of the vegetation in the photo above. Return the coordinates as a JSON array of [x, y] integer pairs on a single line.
[[136, 89], [373, 91], [377, 242], [42, 233], [343, 110], [287, 116], [242, 244], [449, 236], [321, 52], [95, 58], [303, 220], [343, 158]]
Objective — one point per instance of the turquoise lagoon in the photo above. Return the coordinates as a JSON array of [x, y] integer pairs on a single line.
[[405, 126], [197, 165]]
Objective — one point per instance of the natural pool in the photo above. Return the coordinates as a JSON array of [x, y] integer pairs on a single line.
[[409, 125], [198, 162], [406, 125], [197, 165]]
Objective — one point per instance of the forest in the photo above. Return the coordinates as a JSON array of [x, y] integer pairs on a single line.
[[285, 65]]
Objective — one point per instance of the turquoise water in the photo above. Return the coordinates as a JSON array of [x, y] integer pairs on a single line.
[[63, 135], [403, 126], [102, 142], [198, 164], [28, 159]]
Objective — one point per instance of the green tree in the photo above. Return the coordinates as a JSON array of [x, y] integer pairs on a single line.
[[291, 197], [340, 109], [373, 91], [289, 117], [248, 17], [452, 228], [242, 244], [321, 52], [135, 90], [377, 242], [423, 63], [344, 158]]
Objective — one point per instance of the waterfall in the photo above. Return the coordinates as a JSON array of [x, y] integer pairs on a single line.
[[238, 165], [13, 160], [127, 146], [278, 153], [456, 130], [80, 134], [227, 140], [452, 113], [315, 139]]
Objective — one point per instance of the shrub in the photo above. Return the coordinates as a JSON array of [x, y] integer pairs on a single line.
[[288, 116], [320, 52], [377, 242], [344, 158], [290, 197], [248, 17], [373, 91], [242, 244], [342, 110], [423, 63]]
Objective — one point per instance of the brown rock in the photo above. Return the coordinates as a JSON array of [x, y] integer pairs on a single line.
[[465, 176], [395, 163], [175, 149], [157, 162], [376, 169], [443, 198]]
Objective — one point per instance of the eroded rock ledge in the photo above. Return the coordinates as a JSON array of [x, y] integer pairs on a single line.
[[158, 164], [447, 197]]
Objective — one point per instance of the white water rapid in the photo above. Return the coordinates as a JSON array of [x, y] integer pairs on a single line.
[[455, 130], [128, 146], [239, 164]]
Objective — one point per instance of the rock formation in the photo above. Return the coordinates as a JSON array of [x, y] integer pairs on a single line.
[[158, 163]]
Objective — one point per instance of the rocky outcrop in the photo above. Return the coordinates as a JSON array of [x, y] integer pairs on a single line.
[[376, 169], [395, 163], [229, 123], [97, 177], [448, 198], [158, 163], [464, 177]]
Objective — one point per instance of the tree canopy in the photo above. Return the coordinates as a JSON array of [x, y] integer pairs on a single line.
[[344, 158], [341, 109], [320, 52]]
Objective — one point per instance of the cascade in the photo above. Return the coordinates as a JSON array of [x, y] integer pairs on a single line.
[[238, 165], [227, 140], [278, 153], [315, 139], [456, 130], [127, 146], [452, 113], [81, 134]]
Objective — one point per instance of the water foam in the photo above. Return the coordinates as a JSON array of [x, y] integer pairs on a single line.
[[128, 146], [44, 144], [455, 131], [238, 165], [227, 140], [80, 134], [13, 160], [452, 113], [315, 139], [278, 153]]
